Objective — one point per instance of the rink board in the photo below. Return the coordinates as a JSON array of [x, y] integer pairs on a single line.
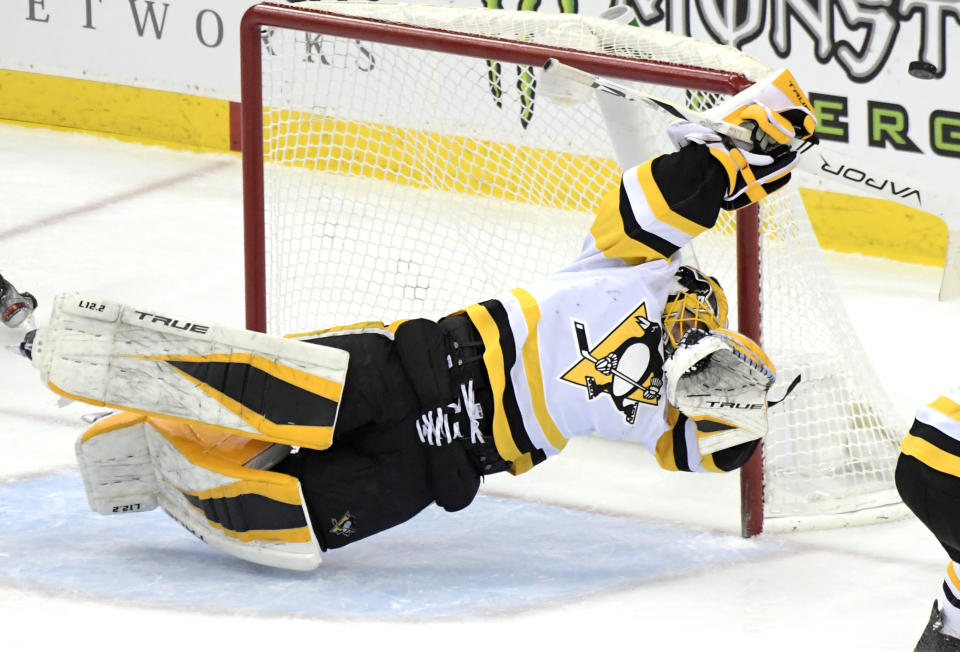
[[501, 555]]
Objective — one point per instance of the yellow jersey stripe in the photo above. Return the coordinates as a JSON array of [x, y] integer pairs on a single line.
[[664, 452], [930, 455], [522, 464], [531, 363], [493, 361], [947, 407], [952, 574], [611, 239]]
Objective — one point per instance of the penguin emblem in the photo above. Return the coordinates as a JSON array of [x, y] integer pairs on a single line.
[[626, 364]]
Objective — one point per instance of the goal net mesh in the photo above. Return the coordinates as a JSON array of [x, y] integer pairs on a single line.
[[404, 182]]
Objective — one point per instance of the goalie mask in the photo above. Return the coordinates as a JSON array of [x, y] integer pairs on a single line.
[[695, 301]]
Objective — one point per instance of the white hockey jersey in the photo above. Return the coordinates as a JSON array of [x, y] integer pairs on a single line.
[[580, 352]]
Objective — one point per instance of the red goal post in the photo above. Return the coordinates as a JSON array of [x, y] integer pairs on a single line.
[[525, 52]]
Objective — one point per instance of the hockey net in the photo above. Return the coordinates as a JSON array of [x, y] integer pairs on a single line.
[[410, 167]]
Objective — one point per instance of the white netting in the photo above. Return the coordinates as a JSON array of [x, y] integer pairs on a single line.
[[833, 444], [403, 182]]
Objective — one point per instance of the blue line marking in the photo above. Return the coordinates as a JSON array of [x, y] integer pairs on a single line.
[[498, 556]]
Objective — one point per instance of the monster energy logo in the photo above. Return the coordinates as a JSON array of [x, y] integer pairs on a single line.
[[857, 35], [526, 79]]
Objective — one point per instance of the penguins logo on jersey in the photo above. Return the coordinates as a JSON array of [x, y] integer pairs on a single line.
[[626, 363]]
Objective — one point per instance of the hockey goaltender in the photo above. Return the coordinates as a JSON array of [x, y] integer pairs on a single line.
[[276, 449]]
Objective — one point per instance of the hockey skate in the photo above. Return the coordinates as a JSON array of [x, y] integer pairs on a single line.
[[15, 307], [933, 639]]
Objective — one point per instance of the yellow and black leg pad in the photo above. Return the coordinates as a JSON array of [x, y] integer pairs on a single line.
[[214, 483], [270, 388]]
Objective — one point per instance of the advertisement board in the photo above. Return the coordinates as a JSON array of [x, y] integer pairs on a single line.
[[172, 45], [884, 75]]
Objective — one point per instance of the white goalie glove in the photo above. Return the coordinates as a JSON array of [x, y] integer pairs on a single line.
[[720, 379]]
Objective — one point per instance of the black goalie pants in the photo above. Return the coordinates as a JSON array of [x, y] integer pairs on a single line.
[[378, 473], [935, 499]]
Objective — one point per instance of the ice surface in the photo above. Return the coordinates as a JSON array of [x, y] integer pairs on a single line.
[[597, 549]]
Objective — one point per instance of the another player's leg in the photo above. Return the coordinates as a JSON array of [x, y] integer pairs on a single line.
[[934, 496]]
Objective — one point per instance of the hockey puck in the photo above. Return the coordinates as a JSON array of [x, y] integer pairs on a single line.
[[922, 69]]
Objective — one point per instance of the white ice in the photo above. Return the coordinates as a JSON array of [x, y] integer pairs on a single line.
[[596, 549]]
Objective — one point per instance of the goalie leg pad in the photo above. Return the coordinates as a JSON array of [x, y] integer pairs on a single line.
[[116, 466], [269, 388], [210, 481]]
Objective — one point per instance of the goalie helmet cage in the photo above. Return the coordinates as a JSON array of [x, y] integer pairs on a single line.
[[398, 162]]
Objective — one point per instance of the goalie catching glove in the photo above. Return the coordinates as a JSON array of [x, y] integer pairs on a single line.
[[720, 380]]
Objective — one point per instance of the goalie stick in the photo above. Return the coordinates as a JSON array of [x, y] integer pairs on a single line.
[[566, 83], [584, 346]]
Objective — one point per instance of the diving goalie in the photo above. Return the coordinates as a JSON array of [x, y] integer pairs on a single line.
[[277, 449]]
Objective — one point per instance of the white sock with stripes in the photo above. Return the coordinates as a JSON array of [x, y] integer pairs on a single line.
[[949, 601]]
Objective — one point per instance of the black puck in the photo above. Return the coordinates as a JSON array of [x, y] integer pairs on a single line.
[[922, 69]]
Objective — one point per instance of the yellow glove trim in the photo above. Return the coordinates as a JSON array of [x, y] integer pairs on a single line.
[[772, 123], [721, 154]]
